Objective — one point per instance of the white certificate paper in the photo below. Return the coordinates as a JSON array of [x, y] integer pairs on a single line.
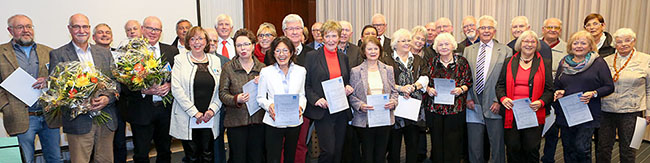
[[575, 111], [475, 115], [334, 90], [639, 131], [251, 104], [19, 83], [408, 108], [202, 124], [524, 115], [379, 116], [444, 88], [548, 123], [287, 109]]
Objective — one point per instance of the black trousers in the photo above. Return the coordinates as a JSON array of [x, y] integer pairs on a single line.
[[331, 135], [611, 125], [447, 133], [200, 149], [374, 143], [119, 141], [522, 146], [158, 131], [352, 146], [279, 141], [246, 143], [411, 136]]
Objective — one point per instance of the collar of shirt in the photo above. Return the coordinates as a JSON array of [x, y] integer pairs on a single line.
[[344, 50], [285, 79], [298, 49], [381, 39], [396, 57], [489, 44], [602, 40], [179, 46], [84, 56], [25, 49], [156, 52], [228, 40]]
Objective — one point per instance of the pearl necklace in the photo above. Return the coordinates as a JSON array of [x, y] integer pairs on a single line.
[[199, 60]]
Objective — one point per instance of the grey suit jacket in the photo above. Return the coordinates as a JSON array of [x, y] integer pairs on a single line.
[[499, 53], [359, 81], [354, 55], [103, 60]]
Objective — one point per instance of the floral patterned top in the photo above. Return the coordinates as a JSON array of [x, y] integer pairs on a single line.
[[460, 71]]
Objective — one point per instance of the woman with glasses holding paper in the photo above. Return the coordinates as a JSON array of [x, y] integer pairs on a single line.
[[584, 74], [329, 114], [195, 83], [447, 121], [525, 89], [411, 78], [630, 71], [372, 78], [244, 124], [283, 78]]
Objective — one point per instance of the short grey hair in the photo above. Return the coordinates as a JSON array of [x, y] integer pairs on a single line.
[[549, 19], [519, 17], [221, 17], [398, 35], [181, 21], [378, 15], [100, 25], [345, 23], [445, 37], [290, 19], [622, 33], [10, 21], [527, 34], [488, 18]]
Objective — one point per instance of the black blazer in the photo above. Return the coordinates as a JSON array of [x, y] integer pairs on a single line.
[[354, 55], [300, 60], [386, 45], [547, 96], [317, 72], [141, 110]]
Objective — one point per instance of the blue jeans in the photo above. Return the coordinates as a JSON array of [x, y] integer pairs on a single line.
[[576, 142], [49, 139]]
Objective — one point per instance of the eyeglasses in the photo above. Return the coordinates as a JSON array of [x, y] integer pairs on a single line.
[[519, 26], [486, 27], [293, 28], [194, 39], [279, 51], [626, 41], [378, 25], [211, 40], [21, 27], [557, 28], [243, 44], [262, 35], [152, 29], [595, 24], [77, 27]]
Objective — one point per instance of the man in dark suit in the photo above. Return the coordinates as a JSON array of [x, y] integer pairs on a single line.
[[182, 26], [315, 33], [84, 136], [21, 120], [352, 51], [379, 22], [292, 26], [431, 33], [469, 29], [148, 117]]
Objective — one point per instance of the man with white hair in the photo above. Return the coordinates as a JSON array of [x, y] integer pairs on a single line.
[[132, 29], [485, 60], [379, 22], [83, 134], [520, 24], [352, 51], [442, 25], [469, 30], [226, 46], [292, 27], [25, 121]]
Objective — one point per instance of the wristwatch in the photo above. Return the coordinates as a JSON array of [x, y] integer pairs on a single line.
[[595, 93]]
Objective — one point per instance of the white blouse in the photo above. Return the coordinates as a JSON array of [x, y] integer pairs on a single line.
[[273, 81]]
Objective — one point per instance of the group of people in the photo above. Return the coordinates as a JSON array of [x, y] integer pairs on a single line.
[[210, 70]]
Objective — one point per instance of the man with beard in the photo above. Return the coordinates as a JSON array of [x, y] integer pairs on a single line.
[[469, 29], [21, 120], [83, 134]]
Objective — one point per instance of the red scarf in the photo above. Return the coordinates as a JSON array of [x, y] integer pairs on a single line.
[[538, 89], [258, 53]]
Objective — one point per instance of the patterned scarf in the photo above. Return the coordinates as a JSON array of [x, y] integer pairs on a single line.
[[571, 68], [406, 77]]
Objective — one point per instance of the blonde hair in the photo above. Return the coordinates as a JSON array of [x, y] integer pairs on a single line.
[[266, 26], [582, 34], [330, 26]]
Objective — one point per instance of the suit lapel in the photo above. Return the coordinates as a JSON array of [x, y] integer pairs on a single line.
[[8, 53], [98, 59], [496, 55], [364, 77], [72, 52], [323, 62], [43, 60], [384, 77]]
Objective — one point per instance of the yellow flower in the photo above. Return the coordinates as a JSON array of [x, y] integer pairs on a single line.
[[137, 79], [128, 68], [151, 64], [82, 81], [69, 83]]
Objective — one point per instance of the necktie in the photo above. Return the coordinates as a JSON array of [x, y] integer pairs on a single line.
[[480, 70], [224, 50], [153, 49]]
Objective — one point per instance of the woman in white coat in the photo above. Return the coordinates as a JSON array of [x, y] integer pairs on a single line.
[[195, 83]]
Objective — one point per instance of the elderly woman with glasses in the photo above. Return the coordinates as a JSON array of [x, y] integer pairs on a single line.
[[630, 71]]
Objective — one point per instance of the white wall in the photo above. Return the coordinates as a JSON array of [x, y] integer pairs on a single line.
[[50, 18]]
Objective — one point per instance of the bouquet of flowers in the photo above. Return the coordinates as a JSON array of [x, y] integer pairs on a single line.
[[138, 68], [71, 86]]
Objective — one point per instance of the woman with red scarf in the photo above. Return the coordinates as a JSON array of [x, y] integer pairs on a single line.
[[525, 75], [265, 35]]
